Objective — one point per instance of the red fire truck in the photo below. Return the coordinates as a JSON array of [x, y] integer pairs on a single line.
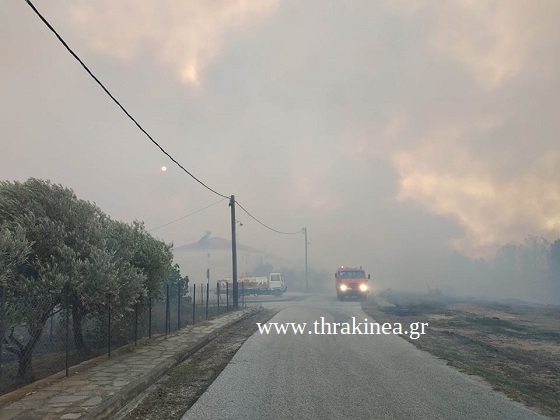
[[351, 282]]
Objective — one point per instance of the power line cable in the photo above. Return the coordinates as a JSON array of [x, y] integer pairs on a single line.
[[266, 226], [188, 215], [44, 20], [117, 102]]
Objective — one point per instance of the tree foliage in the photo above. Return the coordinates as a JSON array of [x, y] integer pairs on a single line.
[[523, 270], [554, 266], [175, 278], [62, 253]]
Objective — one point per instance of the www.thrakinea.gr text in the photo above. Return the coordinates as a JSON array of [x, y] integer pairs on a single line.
[[350, 327]]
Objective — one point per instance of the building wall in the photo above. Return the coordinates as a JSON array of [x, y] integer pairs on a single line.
[[194, 264]]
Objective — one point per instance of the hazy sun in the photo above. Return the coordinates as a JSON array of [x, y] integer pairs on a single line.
[[164, 168]]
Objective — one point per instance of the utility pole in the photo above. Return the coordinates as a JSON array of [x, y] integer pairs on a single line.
[[234, 253], [306, 274]]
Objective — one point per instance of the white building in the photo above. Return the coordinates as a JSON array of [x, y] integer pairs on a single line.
[[215, 254]]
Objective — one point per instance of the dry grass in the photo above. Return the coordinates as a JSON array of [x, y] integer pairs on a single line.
[[515, 347]]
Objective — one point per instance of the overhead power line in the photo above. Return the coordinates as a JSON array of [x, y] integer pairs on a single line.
[[44, 20], [266, 226], [188, 215], [117, 102]]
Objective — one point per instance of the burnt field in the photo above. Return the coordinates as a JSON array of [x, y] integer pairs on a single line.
[[514, 346]]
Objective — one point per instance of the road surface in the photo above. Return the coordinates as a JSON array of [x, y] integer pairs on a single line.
[[320, 376]]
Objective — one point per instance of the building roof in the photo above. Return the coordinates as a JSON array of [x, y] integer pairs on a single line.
[[206, 243]]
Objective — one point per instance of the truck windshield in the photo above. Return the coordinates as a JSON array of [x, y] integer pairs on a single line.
[[352, 275], [275, 277]]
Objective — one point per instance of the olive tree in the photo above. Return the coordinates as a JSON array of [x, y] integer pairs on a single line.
[[63, 253], [14, 249], [43, 211], [130, 266]]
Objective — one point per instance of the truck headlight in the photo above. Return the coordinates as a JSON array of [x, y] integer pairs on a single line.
[[363, 287], [343, 288]]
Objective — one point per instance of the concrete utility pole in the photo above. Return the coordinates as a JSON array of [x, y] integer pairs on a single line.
[[306, 276], [234, 254]]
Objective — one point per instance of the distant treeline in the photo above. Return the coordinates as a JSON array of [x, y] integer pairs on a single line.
[[529, 270]]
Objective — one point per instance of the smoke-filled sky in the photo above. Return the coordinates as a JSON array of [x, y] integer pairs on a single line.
[[393, 130]]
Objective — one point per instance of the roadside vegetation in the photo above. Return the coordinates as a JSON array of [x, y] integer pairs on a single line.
[[63, 255], [514, 346]]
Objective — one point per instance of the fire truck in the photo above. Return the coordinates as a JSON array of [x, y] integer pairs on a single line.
[[351, 282]]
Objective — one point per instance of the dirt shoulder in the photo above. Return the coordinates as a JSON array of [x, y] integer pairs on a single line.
[[515, 347], [174, 394]]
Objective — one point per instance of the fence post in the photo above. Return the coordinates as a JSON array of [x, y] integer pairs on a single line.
[[218, 293], [194, 304], [242, 294], [179, 284], [186, 289], [67, 349], [201, 295], [2, 332], [227, 297], [109, 332], [207, 298], [136, 323], [150, 317], [167, 313]]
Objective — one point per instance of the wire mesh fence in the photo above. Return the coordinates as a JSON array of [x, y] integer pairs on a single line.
[[55, 339]]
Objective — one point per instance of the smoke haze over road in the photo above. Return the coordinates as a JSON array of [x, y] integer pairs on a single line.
[[406, 138]]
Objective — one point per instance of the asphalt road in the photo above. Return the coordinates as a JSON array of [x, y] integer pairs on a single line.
[[313, 376]]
